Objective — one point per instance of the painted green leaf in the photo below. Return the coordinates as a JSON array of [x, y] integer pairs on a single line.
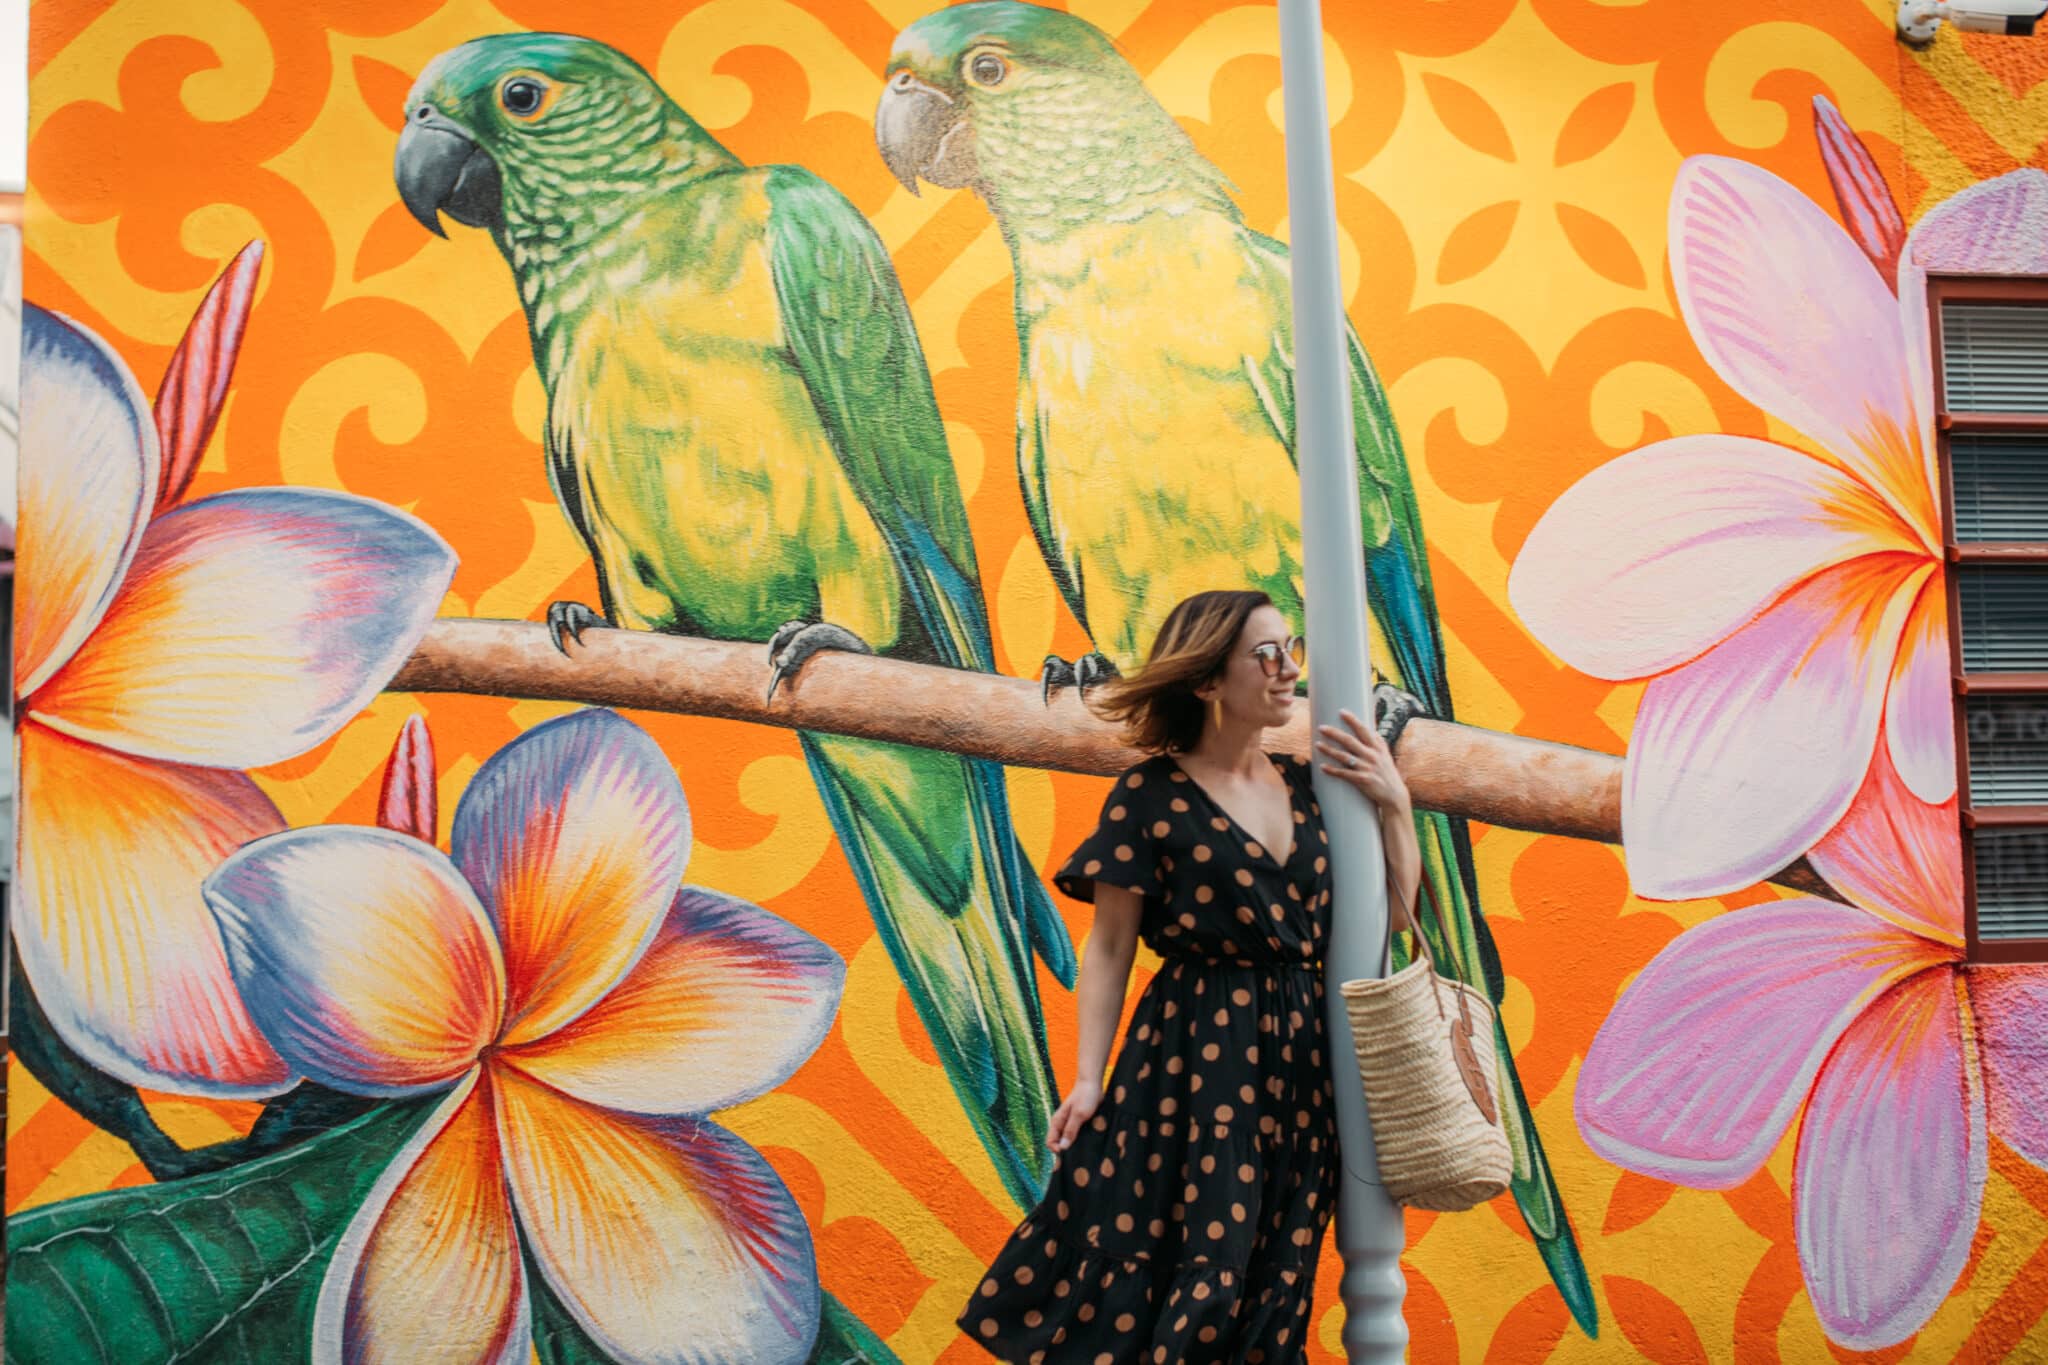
[[220, 1267], [844, 1339], [557, 1340]]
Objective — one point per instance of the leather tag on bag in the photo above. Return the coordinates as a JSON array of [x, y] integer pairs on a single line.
[[1469, 1070]]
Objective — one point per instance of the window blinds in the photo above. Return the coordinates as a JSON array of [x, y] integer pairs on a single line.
[[1994, 365], [1994, 357]]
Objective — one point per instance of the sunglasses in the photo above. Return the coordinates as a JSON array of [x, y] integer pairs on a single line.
[[1269, 654]]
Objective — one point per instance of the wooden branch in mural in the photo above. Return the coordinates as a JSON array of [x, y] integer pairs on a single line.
[[1486, 775]]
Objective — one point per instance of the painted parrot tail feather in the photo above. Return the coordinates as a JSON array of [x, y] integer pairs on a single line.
[[1025, 891], [928, 837], [1465, 943]]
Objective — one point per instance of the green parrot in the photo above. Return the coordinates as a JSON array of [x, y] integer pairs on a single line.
[[742, 430], [1155, 424]]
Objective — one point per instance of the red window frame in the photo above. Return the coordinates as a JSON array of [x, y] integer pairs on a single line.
[[2024, 291]]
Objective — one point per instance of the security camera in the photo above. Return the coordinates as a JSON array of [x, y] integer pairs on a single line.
[[1920, 20]]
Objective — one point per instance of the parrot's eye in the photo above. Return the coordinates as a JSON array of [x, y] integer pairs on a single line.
[[522, 96], [988, 69]]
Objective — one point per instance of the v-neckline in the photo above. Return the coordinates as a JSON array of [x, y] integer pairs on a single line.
[[1293, 826]]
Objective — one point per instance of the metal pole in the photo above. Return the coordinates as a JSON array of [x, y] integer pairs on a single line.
[[1370, 1234]]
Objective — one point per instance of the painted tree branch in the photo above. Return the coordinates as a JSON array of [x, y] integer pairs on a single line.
[[1501, 779]]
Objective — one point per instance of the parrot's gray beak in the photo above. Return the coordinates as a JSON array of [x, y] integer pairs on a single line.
[[440, 169], [923, 134]]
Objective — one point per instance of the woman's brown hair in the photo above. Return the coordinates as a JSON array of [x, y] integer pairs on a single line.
[[1157, 705]]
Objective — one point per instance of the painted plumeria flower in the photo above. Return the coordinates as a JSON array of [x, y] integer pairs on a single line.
[[160, 650], [579, 1011], [1864, 1015], [1784, 604]]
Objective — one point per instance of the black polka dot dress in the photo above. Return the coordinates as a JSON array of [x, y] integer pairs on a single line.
[[1184, 1223]]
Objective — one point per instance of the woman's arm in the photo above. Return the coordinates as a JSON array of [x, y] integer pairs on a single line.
[[1363, 759], [1404, 861], [1099, 995]]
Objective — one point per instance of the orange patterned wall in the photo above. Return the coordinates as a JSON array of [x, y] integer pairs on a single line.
[[1504, 168]]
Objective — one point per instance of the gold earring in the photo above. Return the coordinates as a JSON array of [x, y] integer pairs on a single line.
[[1216, 710]]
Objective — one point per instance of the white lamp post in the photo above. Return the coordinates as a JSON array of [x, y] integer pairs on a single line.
[[1369, 1226]]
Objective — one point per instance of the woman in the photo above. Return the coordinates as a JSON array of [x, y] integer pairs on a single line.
[[1188, 1206]]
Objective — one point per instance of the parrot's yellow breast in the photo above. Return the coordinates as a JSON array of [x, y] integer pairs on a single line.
[[1163, 470], [714, 499]]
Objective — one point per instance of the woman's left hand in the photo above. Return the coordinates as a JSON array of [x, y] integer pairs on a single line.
[[1359, 756]]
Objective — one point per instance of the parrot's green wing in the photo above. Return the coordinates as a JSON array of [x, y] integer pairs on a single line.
[[1403, 604], [1038, 507], [851, 334], [960, 909], [846, 323], [561, 460]]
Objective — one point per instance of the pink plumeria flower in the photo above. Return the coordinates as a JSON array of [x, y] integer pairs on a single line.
[[579, 1011], [1903, 1059], [1785, 605], [160, 650]]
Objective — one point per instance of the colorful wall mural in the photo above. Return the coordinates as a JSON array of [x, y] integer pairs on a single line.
[[393, 985]]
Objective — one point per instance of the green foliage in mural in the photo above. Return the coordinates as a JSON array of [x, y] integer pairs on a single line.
[[844, 1339], [219, 1267], [228, 1266]]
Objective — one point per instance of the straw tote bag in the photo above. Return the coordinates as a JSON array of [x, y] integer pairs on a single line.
[[1425, 1054]]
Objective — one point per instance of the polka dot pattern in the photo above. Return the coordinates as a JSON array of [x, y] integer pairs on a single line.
[[1185, 1221]]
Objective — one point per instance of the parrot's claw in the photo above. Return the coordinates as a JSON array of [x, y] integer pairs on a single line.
[[1056, 674], [1090, 670], [568, 620], [1093, 669], [1392, 709], [791, 646]]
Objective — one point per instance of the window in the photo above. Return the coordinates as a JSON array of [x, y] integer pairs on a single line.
[[1991, 405]]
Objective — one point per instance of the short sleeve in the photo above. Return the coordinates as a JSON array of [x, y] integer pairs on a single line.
[[1122, 851]]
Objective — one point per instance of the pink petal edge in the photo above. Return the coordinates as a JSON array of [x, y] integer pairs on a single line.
[[1919, 716], [1656, 557], [1866, 201], [1699, 1068], [1888, 1180], [1744, 758], [1898, 857], [1797, 320]]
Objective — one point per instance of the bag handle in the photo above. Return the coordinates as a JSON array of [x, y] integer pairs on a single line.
[[1462, 1054], [1422, 944]]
